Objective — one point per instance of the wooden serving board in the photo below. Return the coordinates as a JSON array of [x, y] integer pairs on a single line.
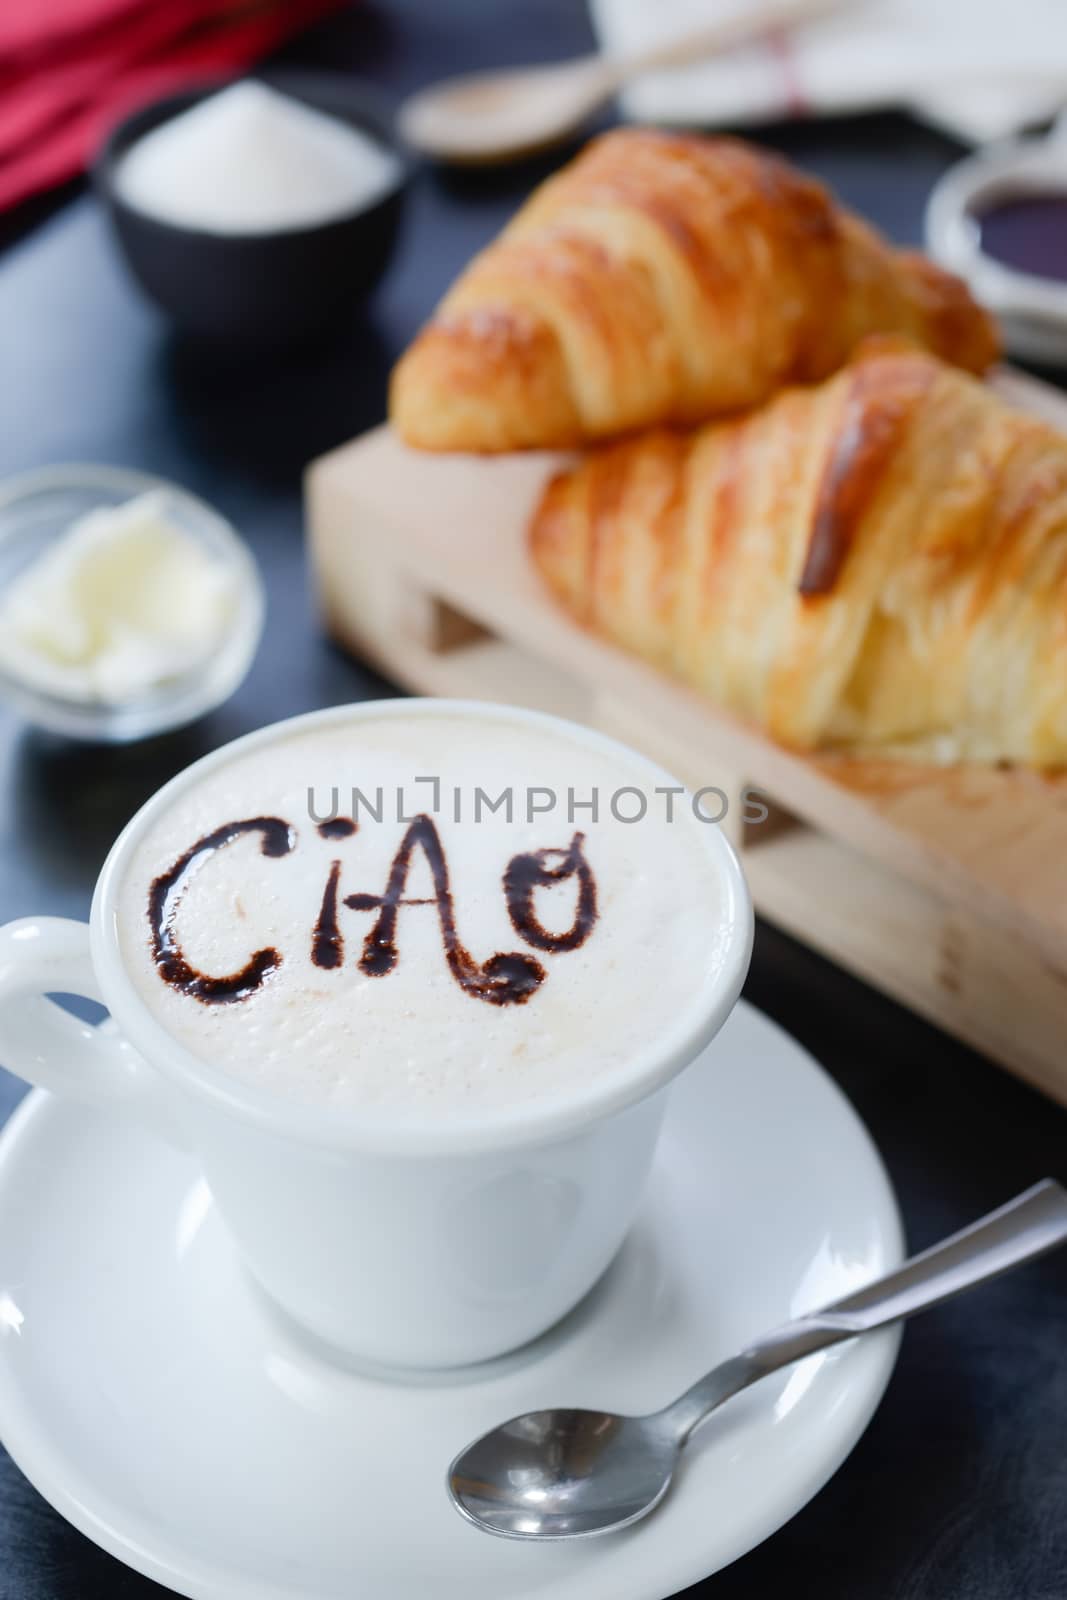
[[946, 888]]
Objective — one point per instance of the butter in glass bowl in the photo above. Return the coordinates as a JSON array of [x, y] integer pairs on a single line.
[[127, 605]]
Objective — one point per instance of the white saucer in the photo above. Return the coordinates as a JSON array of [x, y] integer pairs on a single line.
[[149, 1394]]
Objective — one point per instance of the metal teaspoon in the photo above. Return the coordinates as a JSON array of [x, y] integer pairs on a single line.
[[568, 1474], [496, 116]]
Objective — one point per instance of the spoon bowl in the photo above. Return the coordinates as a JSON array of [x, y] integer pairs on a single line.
[[564, 1474], [502, 116]]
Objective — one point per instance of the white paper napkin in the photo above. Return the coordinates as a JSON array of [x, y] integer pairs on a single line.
[[980, 68]]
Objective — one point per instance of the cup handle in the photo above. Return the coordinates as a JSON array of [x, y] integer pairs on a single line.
[[48, 1047]]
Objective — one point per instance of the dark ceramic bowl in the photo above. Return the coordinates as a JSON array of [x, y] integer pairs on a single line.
[[256, 289]]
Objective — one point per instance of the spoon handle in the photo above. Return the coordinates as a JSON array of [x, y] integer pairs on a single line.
[[1026, 1227], [714, 37]]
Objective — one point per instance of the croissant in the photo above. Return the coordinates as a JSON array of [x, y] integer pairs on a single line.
[[878, 563], [664, 279]]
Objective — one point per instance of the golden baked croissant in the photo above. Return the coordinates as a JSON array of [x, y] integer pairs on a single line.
[[664, 278], [879, 562]]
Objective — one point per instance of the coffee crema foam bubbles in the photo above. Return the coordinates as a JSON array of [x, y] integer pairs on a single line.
[[440, 965]]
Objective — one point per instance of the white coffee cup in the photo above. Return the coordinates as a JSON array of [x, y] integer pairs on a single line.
[[405, 1245]]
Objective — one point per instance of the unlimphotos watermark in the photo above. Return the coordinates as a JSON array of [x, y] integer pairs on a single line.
[[403, 803]]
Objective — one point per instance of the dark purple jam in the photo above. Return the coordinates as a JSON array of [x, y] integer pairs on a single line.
[[1027, 231]]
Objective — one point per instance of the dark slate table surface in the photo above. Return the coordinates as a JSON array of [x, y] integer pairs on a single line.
[[958, 1491]]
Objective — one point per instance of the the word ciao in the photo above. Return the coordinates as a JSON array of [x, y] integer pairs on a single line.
[[504, 978]]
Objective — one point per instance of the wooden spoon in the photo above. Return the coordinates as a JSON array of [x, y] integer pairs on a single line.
[[497, 116]]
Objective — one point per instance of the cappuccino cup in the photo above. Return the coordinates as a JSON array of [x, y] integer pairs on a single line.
[[411, 981]]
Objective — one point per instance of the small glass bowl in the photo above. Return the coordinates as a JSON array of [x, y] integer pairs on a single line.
[[36, 509]]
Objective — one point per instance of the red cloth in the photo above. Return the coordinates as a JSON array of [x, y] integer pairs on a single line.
[[69, 69]]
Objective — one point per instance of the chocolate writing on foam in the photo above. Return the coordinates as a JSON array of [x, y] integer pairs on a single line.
[[526, 874], [505, 978], [277, 838], [327, 940]]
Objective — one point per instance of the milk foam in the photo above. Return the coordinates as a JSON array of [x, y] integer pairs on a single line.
[[413, 1036]]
